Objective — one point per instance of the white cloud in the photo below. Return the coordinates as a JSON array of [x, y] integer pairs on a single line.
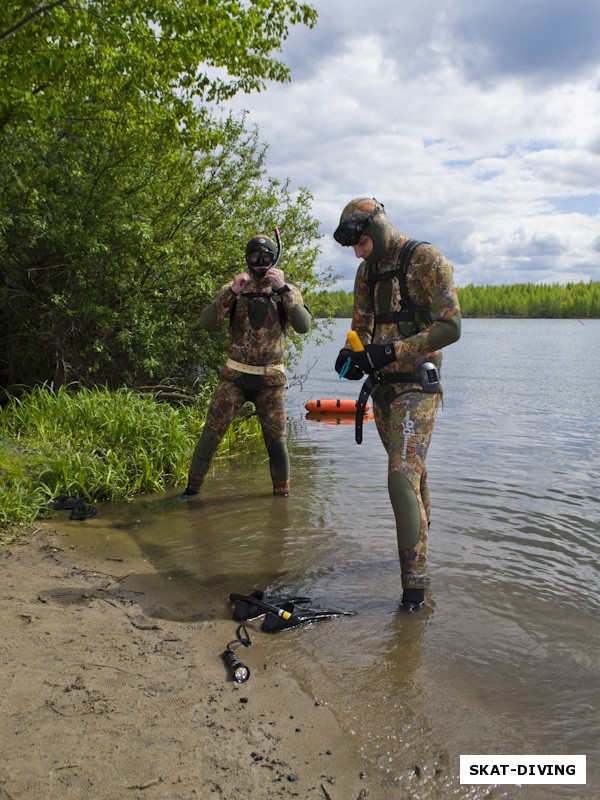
[[486, 165]]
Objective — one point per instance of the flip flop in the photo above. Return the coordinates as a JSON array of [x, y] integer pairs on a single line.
[[81, 511], [65, 503]]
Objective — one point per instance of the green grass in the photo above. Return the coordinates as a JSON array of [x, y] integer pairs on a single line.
[[101, 446]]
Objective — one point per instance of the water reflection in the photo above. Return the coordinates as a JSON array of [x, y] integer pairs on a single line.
[[201, 551], [506, 658]]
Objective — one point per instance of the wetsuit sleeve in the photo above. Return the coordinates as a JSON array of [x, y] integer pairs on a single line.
[[298, 315], [431, 287], [363, 315], [212, 315]]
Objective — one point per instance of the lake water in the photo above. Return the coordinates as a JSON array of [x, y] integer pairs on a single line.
[[505, 659]]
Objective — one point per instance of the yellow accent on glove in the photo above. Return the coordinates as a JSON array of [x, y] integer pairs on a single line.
[[355, 342]]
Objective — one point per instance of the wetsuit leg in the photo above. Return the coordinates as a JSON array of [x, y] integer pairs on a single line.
[[405, 427], [224, 407], [270, 408]]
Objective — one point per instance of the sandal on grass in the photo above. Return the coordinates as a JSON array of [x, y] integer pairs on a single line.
[[65, 503], [81, 511]]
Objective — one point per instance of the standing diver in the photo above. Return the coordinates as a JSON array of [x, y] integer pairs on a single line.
[[260, 305], [405, 311]]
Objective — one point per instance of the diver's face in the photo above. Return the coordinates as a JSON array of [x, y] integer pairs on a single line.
[[363, 248], [260, 261]]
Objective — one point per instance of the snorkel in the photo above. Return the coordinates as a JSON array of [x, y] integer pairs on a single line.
[[279, 247]]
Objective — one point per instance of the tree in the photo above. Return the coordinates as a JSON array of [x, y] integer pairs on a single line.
[[107, 58], [110, 248], [124, 201]]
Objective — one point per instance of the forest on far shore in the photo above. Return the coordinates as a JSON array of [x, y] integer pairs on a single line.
[[570, 301]]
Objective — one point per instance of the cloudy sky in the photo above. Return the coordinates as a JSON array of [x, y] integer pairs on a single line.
[[476, 123]]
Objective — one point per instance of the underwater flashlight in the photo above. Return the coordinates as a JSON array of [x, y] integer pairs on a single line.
[[239, 672]]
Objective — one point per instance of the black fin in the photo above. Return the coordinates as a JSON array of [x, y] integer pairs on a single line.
[[245, 609]]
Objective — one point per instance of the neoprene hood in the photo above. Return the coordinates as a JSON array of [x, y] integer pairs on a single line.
[[364, 216]]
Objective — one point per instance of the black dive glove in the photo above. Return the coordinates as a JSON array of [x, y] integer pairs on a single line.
[[374, 357], [352, 372]]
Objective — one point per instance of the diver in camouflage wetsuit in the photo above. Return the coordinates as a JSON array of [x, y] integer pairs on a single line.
[[259, 304], [400, 333]]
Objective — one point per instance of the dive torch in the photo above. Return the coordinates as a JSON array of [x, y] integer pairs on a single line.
[[238, 671]]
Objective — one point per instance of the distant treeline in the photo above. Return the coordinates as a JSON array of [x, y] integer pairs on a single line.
[[573, 300]]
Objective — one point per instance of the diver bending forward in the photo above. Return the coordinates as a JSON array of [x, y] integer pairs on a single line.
[[405, 310], [260, 305]]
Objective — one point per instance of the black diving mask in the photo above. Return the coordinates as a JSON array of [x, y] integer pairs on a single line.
[[348, 233], [260, 258]]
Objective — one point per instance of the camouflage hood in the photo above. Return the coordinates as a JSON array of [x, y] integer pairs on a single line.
[[371, 213], [260, 244]]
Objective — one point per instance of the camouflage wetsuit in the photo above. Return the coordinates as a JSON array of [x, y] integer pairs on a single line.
[[257, 339], [404, 414]]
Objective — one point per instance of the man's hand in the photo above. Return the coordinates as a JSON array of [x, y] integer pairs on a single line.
[[240, 282], [353, 373], [274, 277], [373, 357]]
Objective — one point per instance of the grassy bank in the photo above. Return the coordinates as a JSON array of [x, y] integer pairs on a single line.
[[99, 445]]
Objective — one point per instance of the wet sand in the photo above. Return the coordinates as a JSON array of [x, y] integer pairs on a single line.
[[100, 700]]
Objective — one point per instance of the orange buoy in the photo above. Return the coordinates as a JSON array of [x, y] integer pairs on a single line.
[[331, 405]]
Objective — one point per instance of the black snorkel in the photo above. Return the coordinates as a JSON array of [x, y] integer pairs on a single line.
[[279, 247]]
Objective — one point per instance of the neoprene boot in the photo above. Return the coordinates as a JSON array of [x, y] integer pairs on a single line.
[[281, 488], [413, 600]]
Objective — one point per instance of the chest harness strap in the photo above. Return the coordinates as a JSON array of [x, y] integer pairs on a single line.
[[407, 312], [427, 375], [251, 296]]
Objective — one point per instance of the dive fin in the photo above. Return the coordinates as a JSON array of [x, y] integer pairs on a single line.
[[246, 608], [299, 616], [278, 618]]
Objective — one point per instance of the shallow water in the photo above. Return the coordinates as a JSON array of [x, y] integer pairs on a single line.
[[506, 657]]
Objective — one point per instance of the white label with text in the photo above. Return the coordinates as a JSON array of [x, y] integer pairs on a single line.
[[522, 769]]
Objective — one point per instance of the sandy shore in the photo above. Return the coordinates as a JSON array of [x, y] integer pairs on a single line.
[[99, 701]]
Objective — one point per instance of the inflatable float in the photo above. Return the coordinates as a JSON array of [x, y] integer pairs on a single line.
[[331, 405]]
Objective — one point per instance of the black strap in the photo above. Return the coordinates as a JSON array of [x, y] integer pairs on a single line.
[[242, 637], [256, 294], [400, 377], [283, 320], [361, 405], [407, 314], [405, 256], [338, 403], [367, 389]]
